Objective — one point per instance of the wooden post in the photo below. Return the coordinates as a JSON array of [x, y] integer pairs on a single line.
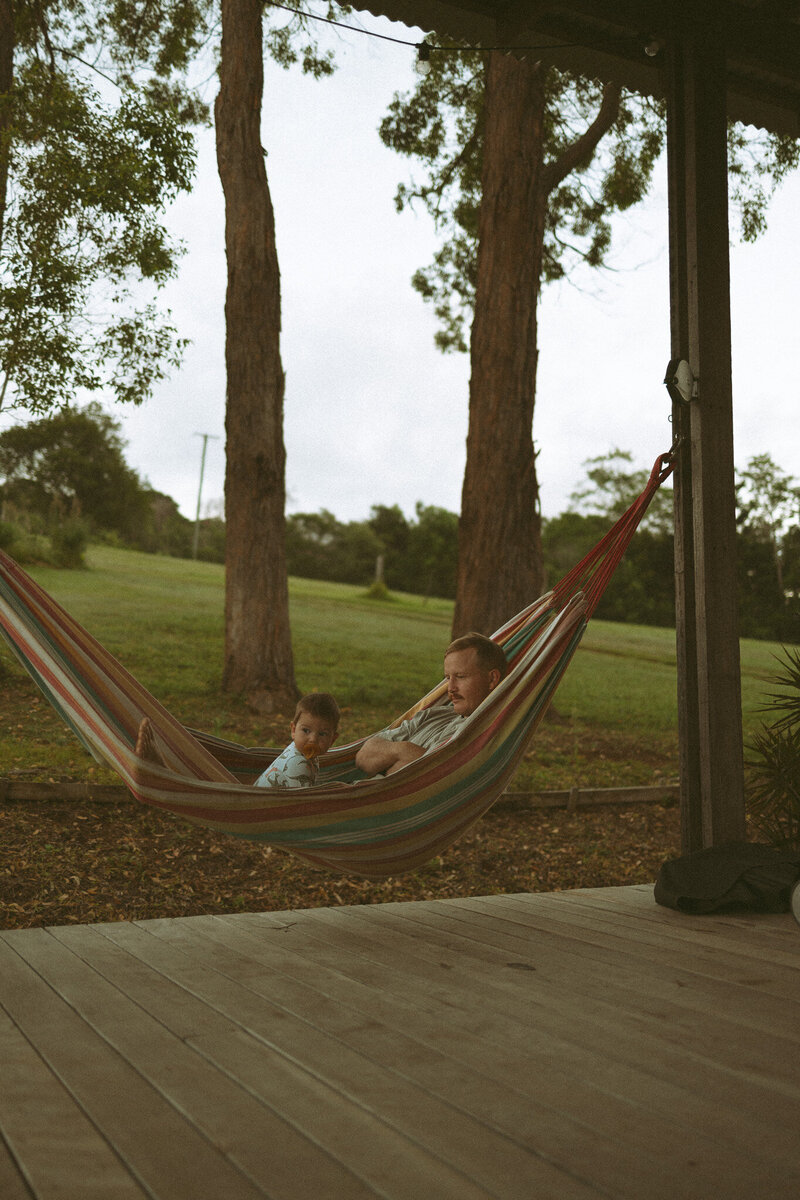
[[709, 686], [688, 719]]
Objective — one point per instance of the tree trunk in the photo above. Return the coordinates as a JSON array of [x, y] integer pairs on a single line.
[[258, 649], [499, 547], [7, 41]]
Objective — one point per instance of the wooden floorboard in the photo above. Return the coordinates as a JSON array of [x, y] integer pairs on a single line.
[[566, 1045], [45, 1130], [599, 1104], [401, 1116]]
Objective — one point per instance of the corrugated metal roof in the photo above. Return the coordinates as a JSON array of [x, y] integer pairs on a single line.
[[605, 39]]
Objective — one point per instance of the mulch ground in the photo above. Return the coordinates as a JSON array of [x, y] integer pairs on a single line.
[[63, 864]]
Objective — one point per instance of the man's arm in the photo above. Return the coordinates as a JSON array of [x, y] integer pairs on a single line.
[[380, 756]]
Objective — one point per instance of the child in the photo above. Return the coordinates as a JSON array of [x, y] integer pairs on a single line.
[[314, 729]]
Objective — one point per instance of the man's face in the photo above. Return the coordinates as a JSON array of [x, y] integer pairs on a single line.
[[467, 682]]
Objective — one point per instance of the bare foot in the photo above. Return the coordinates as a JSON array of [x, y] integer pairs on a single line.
[[146, 744]]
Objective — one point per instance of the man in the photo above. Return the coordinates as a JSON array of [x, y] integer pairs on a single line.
[[473, 667]]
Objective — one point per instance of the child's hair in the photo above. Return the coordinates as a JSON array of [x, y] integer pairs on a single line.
[[318, 704]]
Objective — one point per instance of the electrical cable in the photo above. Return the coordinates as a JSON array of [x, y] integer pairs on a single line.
[[299, 12]]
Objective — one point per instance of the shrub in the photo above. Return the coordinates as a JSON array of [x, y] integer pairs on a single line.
[[773, 773], [24, 545], [378, 591], [8, 536], [69, 540]]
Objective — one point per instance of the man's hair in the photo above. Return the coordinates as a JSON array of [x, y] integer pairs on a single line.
[[318, 704], [490, 656]]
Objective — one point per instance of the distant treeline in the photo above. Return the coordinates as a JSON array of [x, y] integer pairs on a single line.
[[418, 556], [421, 555], [64, 480]]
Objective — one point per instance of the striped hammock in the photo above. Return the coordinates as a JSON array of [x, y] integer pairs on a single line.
[[369, 827]]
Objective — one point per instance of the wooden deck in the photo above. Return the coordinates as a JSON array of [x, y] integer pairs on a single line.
[[565, 1045]]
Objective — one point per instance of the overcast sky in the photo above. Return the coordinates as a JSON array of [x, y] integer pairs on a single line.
[[374, 413]]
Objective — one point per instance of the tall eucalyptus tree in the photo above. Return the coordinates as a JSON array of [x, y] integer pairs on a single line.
[[525, 168]]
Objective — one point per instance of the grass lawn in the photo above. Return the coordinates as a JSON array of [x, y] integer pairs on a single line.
[[615, 712], [614, 724]]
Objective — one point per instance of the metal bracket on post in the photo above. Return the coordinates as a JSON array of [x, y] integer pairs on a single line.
[[680, 382]]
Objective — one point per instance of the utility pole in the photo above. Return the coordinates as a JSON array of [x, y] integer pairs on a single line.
[[205, 437]]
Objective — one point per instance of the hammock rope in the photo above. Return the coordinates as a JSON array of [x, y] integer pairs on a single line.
[[371, 827]]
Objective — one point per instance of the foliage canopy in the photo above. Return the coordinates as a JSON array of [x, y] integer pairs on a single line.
[[72, 464], [441, 124], [93, 145]]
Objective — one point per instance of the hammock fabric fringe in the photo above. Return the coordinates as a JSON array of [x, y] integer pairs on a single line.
[[369, 827]]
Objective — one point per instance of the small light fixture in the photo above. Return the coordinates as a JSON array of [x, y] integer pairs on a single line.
[[652, 47], [680, 382], [423, 65]]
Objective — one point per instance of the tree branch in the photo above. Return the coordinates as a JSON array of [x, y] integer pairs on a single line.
[[138, 25], [92, 66], [445, 177], [584, 147], [44, 29]]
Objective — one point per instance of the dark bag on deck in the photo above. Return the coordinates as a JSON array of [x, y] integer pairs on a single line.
[[740, 877]]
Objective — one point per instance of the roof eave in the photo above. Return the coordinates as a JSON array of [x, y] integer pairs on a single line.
[[607, 44]]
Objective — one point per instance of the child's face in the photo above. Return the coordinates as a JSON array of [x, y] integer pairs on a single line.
[[313, 735]]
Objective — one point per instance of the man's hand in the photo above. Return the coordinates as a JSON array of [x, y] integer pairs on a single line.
[[379, 756]]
